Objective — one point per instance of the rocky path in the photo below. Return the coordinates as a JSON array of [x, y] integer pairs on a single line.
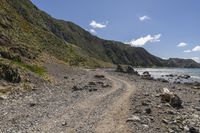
[[59, 108], [106, 112]]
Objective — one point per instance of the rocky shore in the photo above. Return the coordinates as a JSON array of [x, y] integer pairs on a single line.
[[160, 106], [101, 100]]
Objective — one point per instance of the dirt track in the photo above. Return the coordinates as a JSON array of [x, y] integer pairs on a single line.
[[105, 112], [56, 108]]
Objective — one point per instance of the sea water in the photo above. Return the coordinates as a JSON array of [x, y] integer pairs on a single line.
[[194, 73]]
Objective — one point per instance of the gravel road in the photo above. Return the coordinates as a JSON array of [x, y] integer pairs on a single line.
[[58, 108]]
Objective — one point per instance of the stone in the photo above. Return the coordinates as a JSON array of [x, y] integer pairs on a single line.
[[65, 77], [165, 121], [134, 118], [64, 123], [145, 126], [91, 83], [193, 130], [32, 104], [148, 110], [130, 70], [176, 102], [3, 97], [92, 89], [171, 98], [165, 97], [146, 75], [99, 76], [171, 112], [76, 88], [163, 80], [144, 103], [196, 87], [197, 108]]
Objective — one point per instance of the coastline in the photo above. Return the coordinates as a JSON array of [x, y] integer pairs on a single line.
[[161, 116], [80, 100]]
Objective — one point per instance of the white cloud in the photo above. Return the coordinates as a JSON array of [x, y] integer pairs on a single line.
[[197, 59], [94, 24], [144, 18], [144, 40], [93, 31], [196, 49], [164, 58], [187, 51], [182, 44]]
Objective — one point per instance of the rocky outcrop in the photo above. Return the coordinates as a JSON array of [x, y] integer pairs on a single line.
[[171, 98], [131, 70]]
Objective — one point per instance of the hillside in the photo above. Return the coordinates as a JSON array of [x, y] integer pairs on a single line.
[[25, 27]]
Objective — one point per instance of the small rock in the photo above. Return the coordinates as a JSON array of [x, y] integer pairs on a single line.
[[171, 112], [91, 83], [144, 103], [196, 87], [64, 123], [193, 130], [32, 104], [99, 76], [75, 88], [165, 121], [186, 128], [3, 97], [92, 89], [145, 126], [197, 108], [104, 85], [133, 118], [148, 110]]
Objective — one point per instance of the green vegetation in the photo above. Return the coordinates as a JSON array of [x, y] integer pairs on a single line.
[[41, 71], [28, 32]]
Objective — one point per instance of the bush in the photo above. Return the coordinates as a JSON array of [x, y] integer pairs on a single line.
[[9, 73]]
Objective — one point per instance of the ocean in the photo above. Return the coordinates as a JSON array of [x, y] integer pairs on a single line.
[[160, 72]]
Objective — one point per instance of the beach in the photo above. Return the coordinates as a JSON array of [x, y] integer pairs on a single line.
[[85, 100]]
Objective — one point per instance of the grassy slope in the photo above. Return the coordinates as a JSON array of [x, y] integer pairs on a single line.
[[24, 26], [27, 26]]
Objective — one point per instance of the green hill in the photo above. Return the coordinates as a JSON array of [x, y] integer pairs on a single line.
[[27, 32]]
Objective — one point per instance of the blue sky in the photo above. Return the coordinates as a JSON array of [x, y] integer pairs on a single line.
[[166, 28]]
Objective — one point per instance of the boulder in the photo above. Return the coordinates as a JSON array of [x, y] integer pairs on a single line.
[[176, 102], [165, 97], [131, 70], [171, 98], [147, 75]]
